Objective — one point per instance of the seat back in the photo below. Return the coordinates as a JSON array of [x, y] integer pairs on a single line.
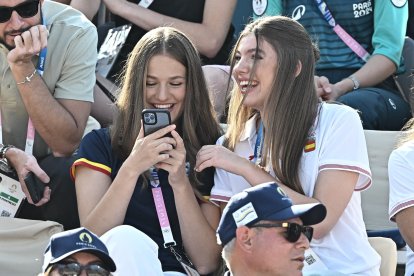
[[387, 249], [375, 199]]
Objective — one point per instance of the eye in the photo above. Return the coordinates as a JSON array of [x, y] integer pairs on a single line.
[[176, 84], [150, 84], [237, 57]]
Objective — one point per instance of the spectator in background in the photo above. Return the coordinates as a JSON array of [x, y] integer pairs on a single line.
[[279, 131], [163, 72], [206, 23], [401, 203], [54, 90], [263, 233], [75, 251], [343, 75], [410, 23]]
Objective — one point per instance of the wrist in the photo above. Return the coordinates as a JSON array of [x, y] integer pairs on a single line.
[[344, 86]]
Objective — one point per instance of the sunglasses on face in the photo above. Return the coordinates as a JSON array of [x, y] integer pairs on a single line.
[[26, 9], [293, 230], [75, 269]]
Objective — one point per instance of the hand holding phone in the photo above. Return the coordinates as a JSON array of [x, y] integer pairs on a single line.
[[155, 119], [35, 187]]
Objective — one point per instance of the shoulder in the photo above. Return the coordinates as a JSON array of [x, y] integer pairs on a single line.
[[403, 153], [58, 14], [332, 112]]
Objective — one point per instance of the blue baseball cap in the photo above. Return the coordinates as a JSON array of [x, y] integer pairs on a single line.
[[66, 243], [266, 201]]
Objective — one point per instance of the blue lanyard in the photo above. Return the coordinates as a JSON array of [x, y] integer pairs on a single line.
[[258, 145], [42, 56], [326, 12]]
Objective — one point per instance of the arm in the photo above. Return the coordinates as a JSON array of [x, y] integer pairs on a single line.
[[61, 125], [388, 41], [405, 222], [88, 7], [198, 225], [208, 36], [96, 194]]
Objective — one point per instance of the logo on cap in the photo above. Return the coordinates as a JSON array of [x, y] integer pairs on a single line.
[[85, 237]]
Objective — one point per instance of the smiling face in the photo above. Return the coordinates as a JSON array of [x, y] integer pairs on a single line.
[[16, 25], [262, 78], [165, 86]]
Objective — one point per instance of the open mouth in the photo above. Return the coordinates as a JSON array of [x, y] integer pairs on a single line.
[[163, 106], [244, 85]]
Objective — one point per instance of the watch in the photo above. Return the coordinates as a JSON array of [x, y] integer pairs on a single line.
[[4, 149], [355, 81]]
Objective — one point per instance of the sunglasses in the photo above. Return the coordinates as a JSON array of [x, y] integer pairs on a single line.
[[75, 269], [293, 230], [26, 9]]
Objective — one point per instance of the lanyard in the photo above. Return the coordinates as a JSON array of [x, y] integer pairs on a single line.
[[346, 38], [30, 128], [258, 147]]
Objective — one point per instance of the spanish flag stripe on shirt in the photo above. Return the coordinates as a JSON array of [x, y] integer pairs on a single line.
[[90, 164], [310, 146]]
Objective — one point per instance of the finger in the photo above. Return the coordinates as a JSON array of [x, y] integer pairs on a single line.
[[46, 197], [141, 132], [18, 41], [27, 41], [164, 148], [162, 132], [179, 141], [44, 34], [35, 37]]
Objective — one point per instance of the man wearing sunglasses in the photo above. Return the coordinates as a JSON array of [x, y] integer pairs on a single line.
[[262, 233], [77, 252], [47, 73]]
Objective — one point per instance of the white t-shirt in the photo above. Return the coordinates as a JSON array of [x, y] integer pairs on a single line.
[[340, 145], [401, 178]]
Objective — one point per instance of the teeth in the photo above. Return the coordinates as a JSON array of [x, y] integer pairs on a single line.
[[163, 106], [244, 83]]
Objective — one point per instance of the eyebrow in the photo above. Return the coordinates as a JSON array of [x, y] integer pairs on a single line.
[[252, 50], [172, 78]]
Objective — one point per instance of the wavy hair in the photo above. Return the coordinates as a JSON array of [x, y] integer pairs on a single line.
[[292, 106], [197, 124]]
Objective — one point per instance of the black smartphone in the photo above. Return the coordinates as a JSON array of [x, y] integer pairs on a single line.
[[155, 119], [34, 186]]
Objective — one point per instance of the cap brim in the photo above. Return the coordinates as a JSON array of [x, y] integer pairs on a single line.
[[106, 259], [310, 214]]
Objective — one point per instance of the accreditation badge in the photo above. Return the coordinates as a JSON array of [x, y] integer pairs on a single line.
[[11, 195], [259, 7], [145, 3]]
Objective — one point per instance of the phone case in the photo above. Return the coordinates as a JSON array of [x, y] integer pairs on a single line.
[[34, 186], [155, 119]]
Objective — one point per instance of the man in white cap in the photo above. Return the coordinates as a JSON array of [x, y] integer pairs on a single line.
[[77, 252], [263, 233]]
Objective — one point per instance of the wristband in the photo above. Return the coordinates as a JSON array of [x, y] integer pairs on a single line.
[[4, 149]]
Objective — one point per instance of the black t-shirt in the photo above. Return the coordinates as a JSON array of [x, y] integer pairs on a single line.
[[187, 10]]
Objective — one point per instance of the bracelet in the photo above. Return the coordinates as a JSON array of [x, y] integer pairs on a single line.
[[355, 81], [4, 149], [28, 79]]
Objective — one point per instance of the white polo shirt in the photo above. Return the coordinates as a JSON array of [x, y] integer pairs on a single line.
[[340, 145], [401, 178]]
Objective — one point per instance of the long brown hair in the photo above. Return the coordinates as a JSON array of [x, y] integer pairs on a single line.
[[292, 106], [197, 124]]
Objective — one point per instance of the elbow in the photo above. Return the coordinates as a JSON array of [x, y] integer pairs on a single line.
[[209, 264], [64, 150], [212, 47], [206, 269]]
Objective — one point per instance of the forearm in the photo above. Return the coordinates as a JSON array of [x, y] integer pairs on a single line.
[[51, 120], [208, 36], [376, 70], [110, 209], [89, 8], [196, 231]]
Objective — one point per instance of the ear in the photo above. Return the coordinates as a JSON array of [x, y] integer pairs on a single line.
[[298, 68], [244, 239]]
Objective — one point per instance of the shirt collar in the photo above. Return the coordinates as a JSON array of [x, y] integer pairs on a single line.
[[250, 128]]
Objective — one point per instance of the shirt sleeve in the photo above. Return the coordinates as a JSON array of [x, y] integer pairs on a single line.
[[390, 25], [77, 78], [401, 179], [344, 146], [95, 153]]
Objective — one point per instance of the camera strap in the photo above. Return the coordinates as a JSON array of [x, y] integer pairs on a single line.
[[166, 231]]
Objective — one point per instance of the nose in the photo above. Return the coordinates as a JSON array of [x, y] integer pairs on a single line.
[[243, 66], [302, 242], [16, 21], [162, 93]]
